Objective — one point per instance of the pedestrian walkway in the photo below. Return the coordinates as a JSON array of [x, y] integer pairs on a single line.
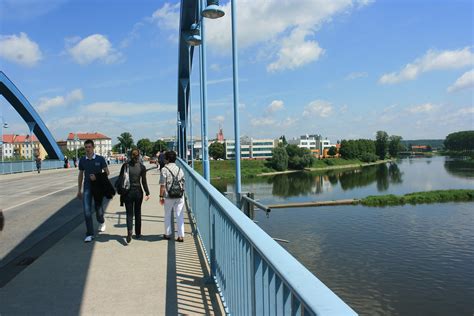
[[149, 276]]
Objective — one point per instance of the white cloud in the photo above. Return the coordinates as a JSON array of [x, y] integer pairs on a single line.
[[20, 49], [264, 121], [296, 51], [219, 119], [464, 82], [215, 67], [432, 60], [284, 25], [167, 16], [356, 75], [46, 104], [318, 108], [95, 47], [127, 108], [423, 108], [276, 105]]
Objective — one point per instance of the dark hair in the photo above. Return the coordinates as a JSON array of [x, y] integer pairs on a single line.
[[170, 156], [89, 141], [134, 157]]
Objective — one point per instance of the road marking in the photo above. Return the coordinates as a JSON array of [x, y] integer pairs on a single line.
[[39, 197]]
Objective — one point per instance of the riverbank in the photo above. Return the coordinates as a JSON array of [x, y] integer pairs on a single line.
[[438, 196], [426, 197], [225, 169], [347, 164]]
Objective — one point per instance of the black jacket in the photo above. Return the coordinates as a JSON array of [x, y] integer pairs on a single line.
[[102, 187]]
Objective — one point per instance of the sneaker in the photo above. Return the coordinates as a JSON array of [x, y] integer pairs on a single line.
[[88, 239], [102, 227]]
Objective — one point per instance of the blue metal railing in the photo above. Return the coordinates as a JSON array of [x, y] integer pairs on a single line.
[[28, 166], [254, 274]]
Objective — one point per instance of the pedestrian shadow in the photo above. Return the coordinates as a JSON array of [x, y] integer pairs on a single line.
[[109, 237], [190, 290]]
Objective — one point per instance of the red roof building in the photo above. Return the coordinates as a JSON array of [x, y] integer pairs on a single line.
[[103, 143]]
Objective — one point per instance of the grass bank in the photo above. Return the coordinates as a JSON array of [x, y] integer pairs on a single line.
[[225, 169], [331, 164], [438, 196]]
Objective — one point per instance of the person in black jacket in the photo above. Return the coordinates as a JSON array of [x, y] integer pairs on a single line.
[[134, 196], [90, 165]]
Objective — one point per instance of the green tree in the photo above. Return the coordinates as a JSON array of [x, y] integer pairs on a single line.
[[381, 144], [283, 140], [299, 158], [217, 150], [145, 146], [332, 151], [395, 145], [117, 148], [126, 141], [460, 141], [159, 145], [279, 160]]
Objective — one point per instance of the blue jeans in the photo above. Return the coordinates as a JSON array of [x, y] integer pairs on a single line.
[[87, 206]]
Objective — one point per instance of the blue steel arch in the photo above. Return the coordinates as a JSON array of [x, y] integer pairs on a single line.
[[11, 93], [189, 14]]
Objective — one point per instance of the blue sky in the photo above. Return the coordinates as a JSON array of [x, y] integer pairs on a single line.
[[343, 69]]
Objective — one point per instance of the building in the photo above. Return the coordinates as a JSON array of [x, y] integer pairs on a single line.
[[21, 146], [250, 148], [103, 144], [318, 146]]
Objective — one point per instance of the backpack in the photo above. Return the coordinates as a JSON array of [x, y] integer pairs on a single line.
[[176, 189], [122, 185]]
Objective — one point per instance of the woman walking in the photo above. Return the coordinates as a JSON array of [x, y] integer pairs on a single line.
[[134, 197], [172, 195]]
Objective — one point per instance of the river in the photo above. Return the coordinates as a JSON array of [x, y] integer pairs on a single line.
[[403, 260]]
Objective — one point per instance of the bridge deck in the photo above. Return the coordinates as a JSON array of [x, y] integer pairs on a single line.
[[149, 276]]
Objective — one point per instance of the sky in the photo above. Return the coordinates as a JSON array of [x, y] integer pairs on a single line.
[[339, 68]]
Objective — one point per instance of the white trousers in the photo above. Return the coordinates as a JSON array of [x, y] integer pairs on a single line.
[[177, 205]]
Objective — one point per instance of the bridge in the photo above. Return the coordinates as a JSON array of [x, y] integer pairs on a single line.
[[227, 264]]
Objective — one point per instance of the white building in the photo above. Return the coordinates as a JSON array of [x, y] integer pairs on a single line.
[[103, 144], [315, 143], [250, 148], [21, 146]]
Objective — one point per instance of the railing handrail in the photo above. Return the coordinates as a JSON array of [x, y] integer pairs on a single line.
[[315, 295]]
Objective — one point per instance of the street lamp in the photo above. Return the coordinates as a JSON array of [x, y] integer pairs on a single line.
[[235, 79], [194, 37], [76, 139], [213, 11], [4, 125]]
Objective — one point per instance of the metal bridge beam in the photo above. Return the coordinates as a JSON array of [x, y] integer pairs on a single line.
[[189, 14], [13, 95]]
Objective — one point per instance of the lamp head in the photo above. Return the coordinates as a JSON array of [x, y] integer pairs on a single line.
[[194, 36], [213, 10]]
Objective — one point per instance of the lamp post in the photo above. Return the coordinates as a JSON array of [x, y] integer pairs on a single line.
[[4, 125], [211, 11], [235, 79], [76, 139]]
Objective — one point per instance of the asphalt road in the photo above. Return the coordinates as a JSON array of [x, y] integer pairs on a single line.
[[38, 209]]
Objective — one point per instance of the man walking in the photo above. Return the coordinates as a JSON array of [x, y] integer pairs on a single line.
[[38, 163], [89, 165], [172, 195]]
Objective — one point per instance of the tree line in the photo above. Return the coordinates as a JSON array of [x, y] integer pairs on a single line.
[[368, 150], [145, 145], [460, 141]]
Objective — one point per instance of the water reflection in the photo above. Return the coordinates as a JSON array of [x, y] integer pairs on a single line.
[[304, 183], [403, 260], [460, 168]]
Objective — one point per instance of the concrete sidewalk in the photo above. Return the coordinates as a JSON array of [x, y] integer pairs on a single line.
[[108, 277]]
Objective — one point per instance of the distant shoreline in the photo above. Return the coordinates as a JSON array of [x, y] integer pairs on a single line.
[[349, 166]]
